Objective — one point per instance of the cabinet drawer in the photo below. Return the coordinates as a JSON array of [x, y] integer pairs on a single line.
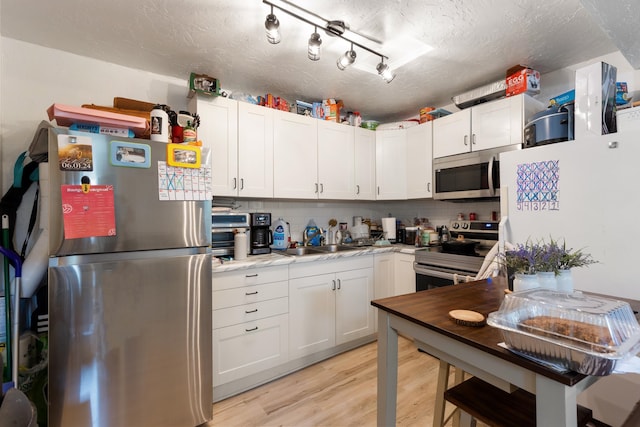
[[234, 279], [333, 266], [249, 294], [249, 348], [248, 312]]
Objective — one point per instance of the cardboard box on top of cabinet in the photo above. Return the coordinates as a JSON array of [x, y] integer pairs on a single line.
[[332, 109], [521, 79]]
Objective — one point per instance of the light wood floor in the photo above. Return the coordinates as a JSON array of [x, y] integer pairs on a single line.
[[340, 391]]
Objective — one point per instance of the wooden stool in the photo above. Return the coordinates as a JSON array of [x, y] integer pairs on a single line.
[[479, 400], [439, 419]]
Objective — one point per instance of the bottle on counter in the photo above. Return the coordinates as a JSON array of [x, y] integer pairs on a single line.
[[240, 244], [444, 234]]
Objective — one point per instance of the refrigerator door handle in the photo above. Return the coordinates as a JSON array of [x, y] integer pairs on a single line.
[[490, 177]]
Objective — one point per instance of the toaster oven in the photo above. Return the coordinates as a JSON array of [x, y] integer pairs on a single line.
[[223, 226]]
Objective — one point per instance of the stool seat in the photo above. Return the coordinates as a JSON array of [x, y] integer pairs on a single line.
[[496, 407]]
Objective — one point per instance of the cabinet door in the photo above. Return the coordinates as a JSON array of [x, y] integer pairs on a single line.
[[248, 348], [491, 123], [365, 164], [335, 161], [451, 134], [405, 276], [312, 314], [255, 150], [419, 161], [355, 316], [384, 274], [218, 131], [295, 156], [391, 159]]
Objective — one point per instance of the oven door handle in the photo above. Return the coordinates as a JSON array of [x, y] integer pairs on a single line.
[[433, 273]]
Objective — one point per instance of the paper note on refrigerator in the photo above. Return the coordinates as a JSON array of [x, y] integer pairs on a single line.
[[178, 183], [90, 213]]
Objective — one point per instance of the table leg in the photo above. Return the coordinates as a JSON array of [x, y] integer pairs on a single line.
[[556, 404], [387, 371]]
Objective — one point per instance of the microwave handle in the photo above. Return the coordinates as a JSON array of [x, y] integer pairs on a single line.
[[490, 172]]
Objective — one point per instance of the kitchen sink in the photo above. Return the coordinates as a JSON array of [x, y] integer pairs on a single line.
[[335, 248], [315, 250]]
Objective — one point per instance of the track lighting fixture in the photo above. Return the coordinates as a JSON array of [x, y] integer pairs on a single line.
[[272, 25], [385, 72], [347, 59], [334, 28], [314, 45]]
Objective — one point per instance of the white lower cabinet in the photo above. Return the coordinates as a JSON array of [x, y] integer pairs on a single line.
[[405, 276], [383, 269], [250, 322], [330, 304]]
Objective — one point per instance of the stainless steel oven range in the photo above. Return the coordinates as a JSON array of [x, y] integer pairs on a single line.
[[436, 266]]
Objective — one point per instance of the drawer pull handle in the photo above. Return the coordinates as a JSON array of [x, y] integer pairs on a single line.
[[255, 328], [255, 310], [251, 293], [251, 275]]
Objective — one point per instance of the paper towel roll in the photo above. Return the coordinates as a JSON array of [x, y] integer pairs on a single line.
[[389, 228]]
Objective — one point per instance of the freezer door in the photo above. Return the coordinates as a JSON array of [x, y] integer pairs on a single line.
[[130, 341], [142, 220]]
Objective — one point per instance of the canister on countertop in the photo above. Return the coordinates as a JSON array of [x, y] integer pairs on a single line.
[[240, 244]]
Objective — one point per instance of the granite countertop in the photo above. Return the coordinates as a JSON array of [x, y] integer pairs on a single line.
[[276, 258]]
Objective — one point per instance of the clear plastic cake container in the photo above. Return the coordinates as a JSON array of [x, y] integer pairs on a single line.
[[580, 332]]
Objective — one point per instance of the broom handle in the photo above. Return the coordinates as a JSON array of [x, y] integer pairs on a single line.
[[7, 296]]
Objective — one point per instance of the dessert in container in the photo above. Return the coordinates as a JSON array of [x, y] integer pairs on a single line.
[[581, 332]]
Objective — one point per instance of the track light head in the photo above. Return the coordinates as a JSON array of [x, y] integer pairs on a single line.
[[314, 46], [385, 72], [347, 59], [272, 26]]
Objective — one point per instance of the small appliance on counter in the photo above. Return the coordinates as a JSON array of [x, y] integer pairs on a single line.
[[389, 229], [223, 228], [260, 237]]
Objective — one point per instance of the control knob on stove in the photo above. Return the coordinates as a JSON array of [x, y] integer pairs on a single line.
[[465, 225], [455, 225]]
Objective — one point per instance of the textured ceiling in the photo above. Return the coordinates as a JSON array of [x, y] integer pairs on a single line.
[[473, 42]]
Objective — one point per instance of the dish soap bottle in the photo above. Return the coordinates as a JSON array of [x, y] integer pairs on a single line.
[[280, 234]]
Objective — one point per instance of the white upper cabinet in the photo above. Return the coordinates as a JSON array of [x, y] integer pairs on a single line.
[[295, 156], [365, 164], [419, 161], [391, 164], [336, 177], [489, 125], [218, 131], [255, 150]]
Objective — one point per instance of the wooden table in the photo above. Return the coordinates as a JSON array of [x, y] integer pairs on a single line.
[[424, 317]]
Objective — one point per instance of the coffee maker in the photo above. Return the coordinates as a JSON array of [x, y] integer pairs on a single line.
[[260, 237]]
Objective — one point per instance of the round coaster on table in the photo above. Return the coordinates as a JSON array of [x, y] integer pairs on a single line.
[[467, 317]]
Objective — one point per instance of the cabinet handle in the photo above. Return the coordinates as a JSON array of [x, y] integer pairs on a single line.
[[251, 275], [255, 310], [242, 183], [321, 188], [316, 187], [339, 284], [466, 142], [333, 285], [473, 139], [251, 293], [235, 183], [378, 190], [255, 328], [357, 189], [429, 187]]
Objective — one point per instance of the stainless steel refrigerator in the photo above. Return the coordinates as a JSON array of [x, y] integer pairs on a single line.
[[130, 328]]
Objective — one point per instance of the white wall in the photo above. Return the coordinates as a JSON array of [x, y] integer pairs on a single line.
[[32, 78]]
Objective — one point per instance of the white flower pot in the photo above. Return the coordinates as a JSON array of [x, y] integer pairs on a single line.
[[524, 282], [564, 281], [547, 280]]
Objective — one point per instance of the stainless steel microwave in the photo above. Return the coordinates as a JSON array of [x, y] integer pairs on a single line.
[[223, 225], [474, 175]]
